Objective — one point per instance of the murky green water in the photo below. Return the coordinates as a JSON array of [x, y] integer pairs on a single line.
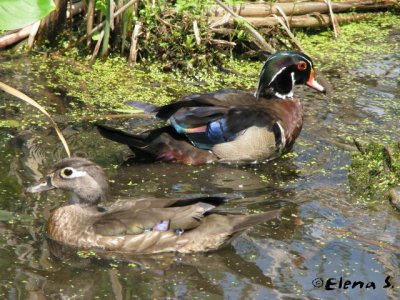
[[324, 231]]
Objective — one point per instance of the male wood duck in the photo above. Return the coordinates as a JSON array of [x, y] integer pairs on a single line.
[[229, 125], [135, 226]]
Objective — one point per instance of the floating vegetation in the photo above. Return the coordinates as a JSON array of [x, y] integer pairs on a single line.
[[375, 169]]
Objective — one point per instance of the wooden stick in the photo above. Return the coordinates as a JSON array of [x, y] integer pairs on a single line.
[[134, 46], [196, 32], [96, 48], [223, 43], [32, 34], [290, 34], [333, 19], [90, 18], [249, 27]]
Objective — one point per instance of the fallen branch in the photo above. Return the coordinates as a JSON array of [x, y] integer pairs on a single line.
[[249, 27], [302, 8], [316, 20]]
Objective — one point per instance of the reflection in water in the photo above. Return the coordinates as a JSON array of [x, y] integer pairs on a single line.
[[324, 231]]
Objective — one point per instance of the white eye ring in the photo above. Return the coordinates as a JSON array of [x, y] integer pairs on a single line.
[[69, 172]]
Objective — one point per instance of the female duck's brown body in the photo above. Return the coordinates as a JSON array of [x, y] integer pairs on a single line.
[[135, 226], [229, 125]]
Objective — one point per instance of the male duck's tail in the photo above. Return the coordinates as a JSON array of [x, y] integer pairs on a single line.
[[163, 144]]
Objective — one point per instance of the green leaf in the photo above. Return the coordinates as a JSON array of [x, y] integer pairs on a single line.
[[95, 37], [16, 14]]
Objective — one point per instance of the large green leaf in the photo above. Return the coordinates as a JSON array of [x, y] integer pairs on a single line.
[[16, 14]]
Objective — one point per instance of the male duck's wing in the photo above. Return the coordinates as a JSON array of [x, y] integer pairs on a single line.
[[208, 126], [137, 221], [224, 98], [145, 203]]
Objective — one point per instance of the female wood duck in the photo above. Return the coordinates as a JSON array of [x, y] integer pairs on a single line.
[[134, 226], [229, 125]]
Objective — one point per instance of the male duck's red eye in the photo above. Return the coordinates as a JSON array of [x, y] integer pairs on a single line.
[[301, 66]]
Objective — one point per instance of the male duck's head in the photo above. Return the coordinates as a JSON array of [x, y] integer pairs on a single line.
[[83, 178], [282, 71]]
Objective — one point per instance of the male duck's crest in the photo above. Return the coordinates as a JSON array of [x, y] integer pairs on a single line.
[[282, 71], [139, 225]]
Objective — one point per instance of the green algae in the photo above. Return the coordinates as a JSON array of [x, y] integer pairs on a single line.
[[373, 172], [357, 39]]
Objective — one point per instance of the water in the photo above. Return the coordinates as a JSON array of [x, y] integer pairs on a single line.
[[324, 231]]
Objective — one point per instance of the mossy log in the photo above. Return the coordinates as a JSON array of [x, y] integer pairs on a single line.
[[295, 9]]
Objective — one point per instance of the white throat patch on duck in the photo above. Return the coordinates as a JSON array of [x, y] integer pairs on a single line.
[[290, 94], [281, 72]]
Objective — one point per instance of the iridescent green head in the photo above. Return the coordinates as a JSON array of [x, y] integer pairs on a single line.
[[282, 71]]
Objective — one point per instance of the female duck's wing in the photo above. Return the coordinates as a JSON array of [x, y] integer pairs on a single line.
[[214, 231], [137, 221]]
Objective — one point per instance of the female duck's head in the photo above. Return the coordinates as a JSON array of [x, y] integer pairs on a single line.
[[83, 178], [282, 71]]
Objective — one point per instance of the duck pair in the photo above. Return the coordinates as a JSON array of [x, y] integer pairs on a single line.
[[227, 126]]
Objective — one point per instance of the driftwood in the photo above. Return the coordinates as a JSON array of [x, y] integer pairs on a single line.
[[302, 8], [317, 20]]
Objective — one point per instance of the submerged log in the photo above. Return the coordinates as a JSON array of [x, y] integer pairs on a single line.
[[302, 8], [311, 21]]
